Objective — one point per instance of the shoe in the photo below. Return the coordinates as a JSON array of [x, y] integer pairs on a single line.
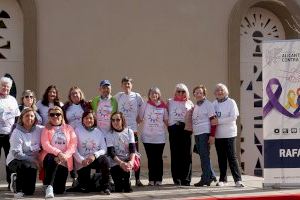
[[158, 183], [151, 183], [239, 184], [19, 195], [221, 184], [106, 191], [12, 185], [177, 182], [75, 182], [139, 183], [202, 183], [49, 192], [129, 190], [214, 179]]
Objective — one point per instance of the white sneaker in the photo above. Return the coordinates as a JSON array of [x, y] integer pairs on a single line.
[[239, 184], [151, 183], [13, 179], [49, 192], [158, 183], [221, 184], [19, 195]]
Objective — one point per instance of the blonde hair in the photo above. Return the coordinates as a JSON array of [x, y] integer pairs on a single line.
[[61, 112], [182, 86], [26, 110], [28, 92]]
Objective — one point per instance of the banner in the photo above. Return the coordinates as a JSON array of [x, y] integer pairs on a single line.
[[281, 112]]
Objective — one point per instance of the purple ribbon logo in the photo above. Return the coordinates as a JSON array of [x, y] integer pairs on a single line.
[[273, 100]]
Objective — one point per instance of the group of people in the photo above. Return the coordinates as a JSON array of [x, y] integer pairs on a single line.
[[102, 134]]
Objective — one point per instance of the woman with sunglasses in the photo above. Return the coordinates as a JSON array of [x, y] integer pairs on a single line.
[[155, 116], [180, 139], [90, 153], [50, 99], [59, 143], [28, 100], [121, 149], [23, 154]]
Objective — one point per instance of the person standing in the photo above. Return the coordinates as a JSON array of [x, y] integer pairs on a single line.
[[9, 110], [28, 100], [104, 105], [155, 117], [50, 99], [25, 142], [180, 139], [129, 103], [204, 128], [225, 142]]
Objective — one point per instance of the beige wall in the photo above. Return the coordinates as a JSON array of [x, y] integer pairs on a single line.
[[156, 42]]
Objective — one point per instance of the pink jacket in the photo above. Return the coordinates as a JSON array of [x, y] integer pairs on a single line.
[[46, 138]]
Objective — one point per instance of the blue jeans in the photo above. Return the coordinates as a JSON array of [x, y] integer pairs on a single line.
[[204, 152]]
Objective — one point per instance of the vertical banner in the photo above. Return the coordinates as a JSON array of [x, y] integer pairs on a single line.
[[281, 116]]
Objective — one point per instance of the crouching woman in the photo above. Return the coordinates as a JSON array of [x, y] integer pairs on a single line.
[[22, 158], [121, 149]]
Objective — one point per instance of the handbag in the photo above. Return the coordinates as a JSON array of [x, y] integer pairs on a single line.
[[137, 162]]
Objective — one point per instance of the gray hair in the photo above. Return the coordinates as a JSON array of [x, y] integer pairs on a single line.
[[6, 80], [224, 87], [182, 86]]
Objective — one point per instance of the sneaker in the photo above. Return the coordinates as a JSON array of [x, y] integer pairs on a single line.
[[239, 184], [151, 183], [13, 179], [139, 183], [19, 195], [49, 192], [107, 191], [221, 184], [158, 183]]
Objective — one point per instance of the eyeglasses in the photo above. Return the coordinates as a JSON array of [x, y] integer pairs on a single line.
[[31, 97], [116, 120], [54, 114], [180, 91]]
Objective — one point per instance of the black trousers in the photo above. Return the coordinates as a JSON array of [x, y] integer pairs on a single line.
[[226, 151], [155, 161], [84, 174], [137, 172], [121, 179], [181, 154], [26, 175], [4, 143], [55, 174]]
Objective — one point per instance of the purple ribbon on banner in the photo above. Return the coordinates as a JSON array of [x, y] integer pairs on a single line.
[[273, 100]]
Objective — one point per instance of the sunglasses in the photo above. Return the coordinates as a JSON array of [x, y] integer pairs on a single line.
[[180, 91], [116, 120], [54, 114], [31, 97]]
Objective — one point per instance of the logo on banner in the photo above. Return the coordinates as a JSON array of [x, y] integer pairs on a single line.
[[274, 103]]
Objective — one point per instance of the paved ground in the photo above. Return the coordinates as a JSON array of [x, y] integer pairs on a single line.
[[169, 191]]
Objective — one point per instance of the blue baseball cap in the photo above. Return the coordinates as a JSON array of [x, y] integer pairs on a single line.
[[104, 82]]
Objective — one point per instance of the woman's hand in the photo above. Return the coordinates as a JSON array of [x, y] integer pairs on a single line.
[[211, 140], [62, 157], [214, 121], [125, 166]]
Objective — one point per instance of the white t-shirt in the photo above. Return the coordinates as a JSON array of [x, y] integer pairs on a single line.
[[74, 115], [43, 110], [59, 139], [153, 130], [177, 110], [120, 141], [200, 118], [103, 114], [9, 109], [88, 143], [227, 113], [25, 145], [129, 105]]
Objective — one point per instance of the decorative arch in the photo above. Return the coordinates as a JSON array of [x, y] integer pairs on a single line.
[[30, 43], [284, 10]]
